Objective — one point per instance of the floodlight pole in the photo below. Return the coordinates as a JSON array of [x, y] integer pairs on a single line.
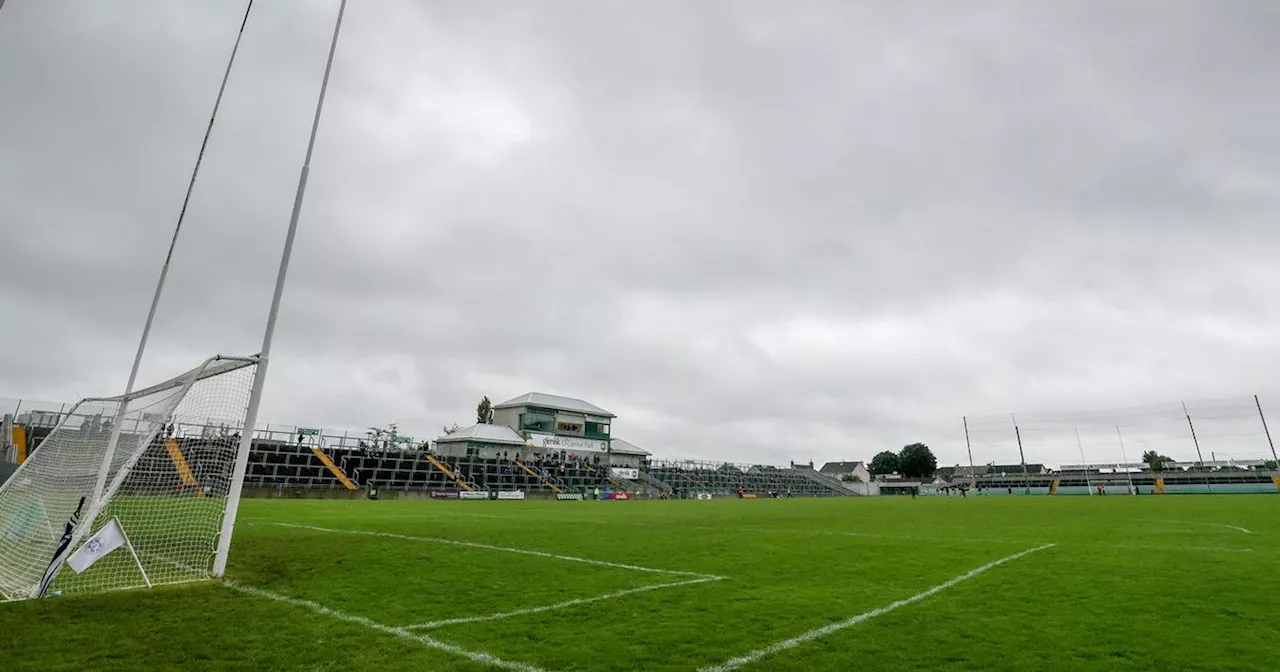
[[260, 376], [1083, 463], [973, 476], [1268, 431], [1026, 480], [1196, 441], [1125, 457]]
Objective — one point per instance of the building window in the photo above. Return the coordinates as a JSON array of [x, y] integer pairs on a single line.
[[569, 427], [537, 422]]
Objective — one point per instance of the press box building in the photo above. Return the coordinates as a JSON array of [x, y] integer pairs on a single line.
[[538, 423]]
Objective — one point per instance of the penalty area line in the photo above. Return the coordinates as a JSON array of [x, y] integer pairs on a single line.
[[558, 605], [475, 656], [816, 633], [504, 549]]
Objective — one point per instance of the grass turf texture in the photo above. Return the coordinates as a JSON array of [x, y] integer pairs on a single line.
[[1133, 583]]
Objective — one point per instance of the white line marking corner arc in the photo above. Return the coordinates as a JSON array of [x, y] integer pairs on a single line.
[[1196, 522]]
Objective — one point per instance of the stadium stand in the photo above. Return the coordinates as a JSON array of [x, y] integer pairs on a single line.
[[304, 460], [725, 478], [283, 465]]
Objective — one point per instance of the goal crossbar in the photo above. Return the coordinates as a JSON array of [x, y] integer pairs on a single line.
[[164, 460], [214, 366]]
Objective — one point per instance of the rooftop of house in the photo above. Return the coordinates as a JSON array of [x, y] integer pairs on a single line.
[[555, 403], [484, 434], [620, 447], [840, 467], [1015, 469]]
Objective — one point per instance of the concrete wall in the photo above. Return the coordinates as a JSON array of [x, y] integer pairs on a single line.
[[507, 417], [864, 489], [626, 461]]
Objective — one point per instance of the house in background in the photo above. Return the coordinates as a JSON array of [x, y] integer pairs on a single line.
[[845, 471], [1016, 470]]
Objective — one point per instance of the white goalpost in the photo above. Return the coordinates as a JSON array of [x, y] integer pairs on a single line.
[[160, 469], [168, 480]]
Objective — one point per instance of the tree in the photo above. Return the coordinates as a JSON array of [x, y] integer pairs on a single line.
[[383, 438], [885, 462], [1155, 460], [484, 412], [450, 430], [917, 461]]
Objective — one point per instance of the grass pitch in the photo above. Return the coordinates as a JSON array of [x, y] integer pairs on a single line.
[[1130, 583]]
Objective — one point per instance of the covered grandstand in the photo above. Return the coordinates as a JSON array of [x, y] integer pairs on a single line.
[[551, 446]]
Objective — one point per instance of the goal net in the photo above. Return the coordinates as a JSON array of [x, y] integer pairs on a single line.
[[164, 458]]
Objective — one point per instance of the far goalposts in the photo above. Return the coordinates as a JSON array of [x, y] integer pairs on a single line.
[[166, 458]]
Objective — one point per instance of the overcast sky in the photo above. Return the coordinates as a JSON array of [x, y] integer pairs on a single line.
[[755, 231]]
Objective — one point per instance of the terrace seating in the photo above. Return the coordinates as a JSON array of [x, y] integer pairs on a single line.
[[280, 464], [725, 479], [276, 464]]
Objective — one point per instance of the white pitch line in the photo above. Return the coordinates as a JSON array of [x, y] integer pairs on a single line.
[[834, 627], [476, 656], [1193, 522], [505, 549], [558, 605]]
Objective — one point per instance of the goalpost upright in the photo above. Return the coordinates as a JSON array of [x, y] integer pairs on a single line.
[[264, 356], [140, 472]]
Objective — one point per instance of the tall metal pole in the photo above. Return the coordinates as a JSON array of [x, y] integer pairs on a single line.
[[973, 476], [1125, 457], [1083, 463], [1268, 431], [1196, 441], [1026, 480], [260, 377], [116, 426]]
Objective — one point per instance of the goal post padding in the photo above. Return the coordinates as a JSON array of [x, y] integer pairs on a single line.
[[166, 479]]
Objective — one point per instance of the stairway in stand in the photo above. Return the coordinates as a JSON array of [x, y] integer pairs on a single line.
[[540, 477], [334, 469], [457, 478]]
